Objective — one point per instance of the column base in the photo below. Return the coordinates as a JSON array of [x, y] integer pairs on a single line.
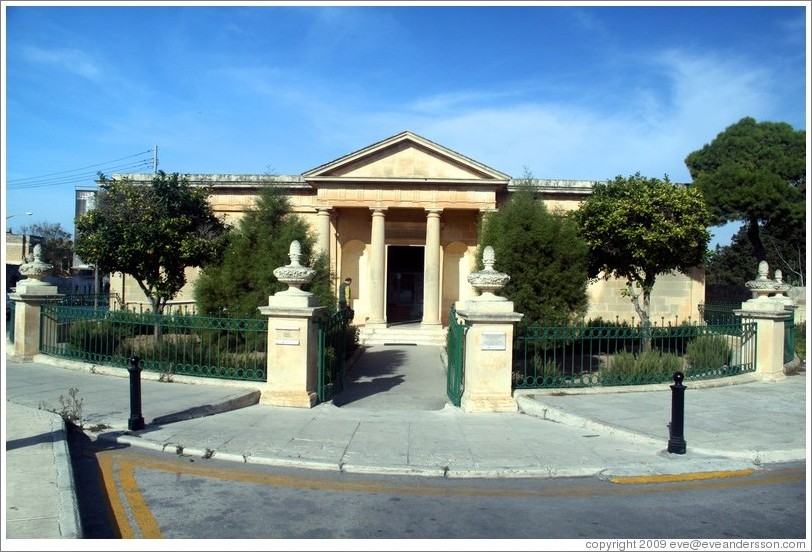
[[295, 399], [488, 403]]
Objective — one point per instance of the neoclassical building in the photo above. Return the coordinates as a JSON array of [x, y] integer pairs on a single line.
[[400, 217]]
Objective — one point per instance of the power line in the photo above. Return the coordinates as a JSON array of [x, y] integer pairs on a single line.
[[68, 177]]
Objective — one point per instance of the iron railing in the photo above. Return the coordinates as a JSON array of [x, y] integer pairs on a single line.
[[455, 350], [226, 348], [789, 337], [719, 312], [622, 354], [333, 335]]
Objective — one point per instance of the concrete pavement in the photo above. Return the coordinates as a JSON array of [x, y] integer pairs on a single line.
[[392, 418]]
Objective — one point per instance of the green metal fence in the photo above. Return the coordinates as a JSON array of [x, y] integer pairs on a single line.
[[621, 354], [789, 337], [10, 308], [226, 348], [333, 335], [455, 350], [719, 312]]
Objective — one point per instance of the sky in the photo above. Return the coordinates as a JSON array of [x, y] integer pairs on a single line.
[[560, 91]]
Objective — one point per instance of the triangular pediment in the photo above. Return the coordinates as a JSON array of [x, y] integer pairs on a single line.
[[406, 157]]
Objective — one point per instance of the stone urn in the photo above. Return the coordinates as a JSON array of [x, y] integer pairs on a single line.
[[488, 280], [35, 270], [762, 287], [294, 274]]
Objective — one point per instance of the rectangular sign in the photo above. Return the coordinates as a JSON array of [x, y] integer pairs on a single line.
[[493, 341], [287, 336]]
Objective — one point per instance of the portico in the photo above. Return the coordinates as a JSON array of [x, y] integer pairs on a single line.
[[404, 193]]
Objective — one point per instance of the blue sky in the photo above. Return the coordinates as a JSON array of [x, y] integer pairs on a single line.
[[566, 92]]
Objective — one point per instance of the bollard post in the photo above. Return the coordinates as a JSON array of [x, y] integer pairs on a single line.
[[136, 420], [676, 441]]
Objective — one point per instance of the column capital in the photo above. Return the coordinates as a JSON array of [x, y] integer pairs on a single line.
[[433, 211], [324, 209], [378, 210]]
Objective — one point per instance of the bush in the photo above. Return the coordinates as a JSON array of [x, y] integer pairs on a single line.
[[101, 337], [652, 366], [708, 351], [547, 371]]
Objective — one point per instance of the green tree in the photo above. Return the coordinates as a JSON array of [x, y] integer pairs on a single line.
[[57, 246], [543, 255], [638, 228], [243, 279], [151, 232], [735, 264], [755, 173]]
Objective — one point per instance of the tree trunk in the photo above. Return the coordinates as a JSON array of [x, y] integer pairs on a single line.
[[754, 237]]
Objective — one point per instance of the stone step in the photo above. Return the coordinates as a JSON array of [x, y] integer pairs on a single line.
[[411, 334]]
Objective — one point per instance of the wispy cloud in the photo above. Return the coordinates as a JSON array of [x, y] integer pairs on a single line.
[[69, 60]]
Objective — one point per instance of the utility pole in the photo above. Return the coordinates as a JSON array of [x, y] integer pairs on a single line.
[[155, 160]]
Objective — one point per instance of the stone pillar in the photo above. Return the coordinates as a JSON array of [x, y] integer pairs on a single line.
[[29, 296], [431, 270], [323, 216], [292, 361], [377, 277], [769, 314], [488, 385]]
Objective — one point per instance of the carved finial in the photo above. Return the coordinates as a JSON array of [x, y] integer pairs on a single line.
[[294, 274], [35, 268], [763, 269], [488, 280], [488, 257], [779, 277]]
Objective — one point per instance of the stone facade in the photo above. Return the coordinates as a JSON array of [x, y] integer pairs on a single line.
[[400, 217]]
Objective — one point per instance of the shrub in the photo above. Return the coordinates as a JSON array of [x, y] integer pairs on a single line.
[[652, 366], [708, 351], [100, 337], [546, 370]]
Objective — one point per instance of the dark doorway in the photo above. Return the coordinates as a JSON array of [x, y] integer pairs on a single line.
[[404, 284]]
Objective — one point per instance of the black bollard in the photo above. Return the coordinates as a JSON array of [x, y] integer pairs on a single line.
[[136, 420], [676, 441]]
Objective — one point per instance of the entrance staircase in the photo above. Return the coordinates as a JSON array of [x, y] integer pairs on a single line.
[[403, 334]]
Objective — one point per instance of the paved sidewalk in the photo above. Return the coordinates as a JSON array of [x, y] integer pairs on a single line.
[[392, 419]]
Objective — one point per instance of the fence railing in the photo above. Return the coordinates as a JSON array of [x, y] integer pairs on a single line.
[[721, 312], [622, 354], [174, 344], [455, 352], [332, 335]]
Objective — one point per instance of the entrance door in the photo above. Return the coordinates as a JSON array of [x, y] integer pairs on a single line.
[[404, 284]]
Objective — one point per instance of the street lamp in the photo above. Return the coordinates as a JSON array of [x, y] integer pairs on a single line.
[[27, 213]]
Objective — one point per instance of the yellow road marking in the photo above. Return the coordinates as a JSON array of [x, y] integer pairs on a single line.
[[696, 476], [128, 461], [138, 506], [141, 513]]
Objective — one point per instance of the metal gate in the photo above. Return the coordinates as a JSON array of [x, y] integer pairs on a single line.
[[332, 332], [455, 346]]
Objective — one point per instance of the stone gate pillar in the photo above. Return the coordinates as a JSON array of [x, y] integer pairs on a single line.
[[292, 362], [770, 315], [29, 296], [488, 385]]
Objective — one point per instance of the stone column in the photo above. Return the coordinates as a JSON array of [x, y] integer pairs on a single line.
[[431, 270], [488, 385], [29, 296], [323, 216], [377, 277], [769, 314], [292, 361]]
